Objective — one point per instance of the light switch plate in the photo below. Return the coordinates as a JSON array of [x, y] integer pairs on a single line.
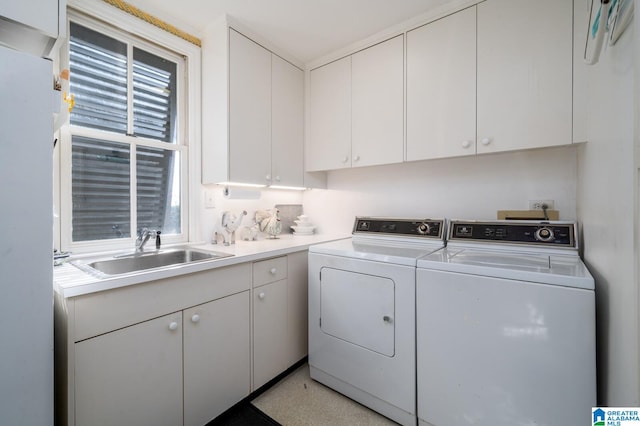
[[209, 199]]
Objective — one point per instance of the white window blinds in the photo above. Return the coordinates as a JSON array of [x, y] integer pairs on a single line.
[[107, 77]]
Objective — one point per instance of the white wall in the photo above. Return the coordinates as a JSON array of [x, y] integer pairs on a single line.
[[605, 208], [268, 198], [465, 188]]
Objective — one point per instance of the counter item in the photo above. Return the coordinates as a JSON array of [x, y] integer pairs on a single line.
[[288, 213], [249, 233], [303, 226], [269, 222], [227, 227]]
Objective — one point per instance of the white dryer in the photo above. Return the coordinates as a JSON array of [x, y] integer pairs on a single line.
[[506, 327], [362, 312]]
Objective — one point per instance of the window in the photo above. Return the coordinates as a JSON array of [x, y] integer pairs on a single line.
[[128, 156]]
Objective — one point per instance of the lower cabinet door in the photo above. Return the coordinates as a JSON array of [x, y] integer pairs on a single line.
[[131, 376], [298, 306], [270, 335], [216, 357]]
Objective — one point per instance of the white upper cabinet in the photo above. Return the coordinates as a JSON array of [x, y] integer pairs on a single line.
[[287, 123], [441, 87], [41, 15], [329, 145], [514, 93], [377, 104], [524, 74], [249, 111], [253, 112], [32, 26], [356, 109]]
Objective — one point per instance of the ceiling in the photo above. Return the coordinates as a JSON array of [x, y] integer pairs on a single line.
[[305, 29]]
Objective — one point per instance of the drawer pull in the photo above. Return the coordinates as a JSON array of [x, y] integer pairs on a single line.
[[173, 326], [195, 318], [273, 271]]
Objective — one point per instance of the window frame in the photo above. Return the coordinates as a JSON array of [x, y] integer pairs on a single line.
[[187, 58]]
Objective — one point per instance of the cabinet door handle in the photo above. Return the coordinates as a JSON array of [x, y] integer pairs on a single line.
[[173, 326], [466, 144], [345, 159], [268, 177], [261, 296], [273, 271], [195, 318], [387, 319], [486, 141], [356, 158], [277, 178]]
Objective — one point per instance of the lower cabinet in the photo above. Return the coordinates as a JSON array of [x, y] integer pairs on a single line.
[[131, 376], [269, 332], [279, 315], [298, 306], [137, 375], [155, 354], [216, 357]]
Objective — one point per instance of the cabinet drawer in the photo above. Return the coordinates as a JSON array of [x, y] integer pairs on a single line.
[[105, 311], [268, 271]]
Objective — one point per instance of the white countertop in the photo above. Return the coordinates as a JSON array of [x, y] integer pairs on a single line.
[[70, 281]]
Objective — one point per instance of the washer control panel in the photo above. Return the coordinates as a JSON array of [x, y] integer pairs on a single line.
[[425, 228], [519, 232]]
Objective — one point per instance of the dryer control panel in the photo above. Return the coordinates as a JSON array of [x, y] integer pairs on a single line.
[[518, 232], [424, 228]]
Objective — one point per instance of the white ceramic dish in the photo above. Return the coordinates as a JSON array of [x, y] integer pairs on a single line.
[[303, 230], [305, 226]]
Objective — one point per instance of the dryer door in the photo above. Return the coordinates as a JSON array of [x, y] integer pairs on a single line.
[[358, 308]]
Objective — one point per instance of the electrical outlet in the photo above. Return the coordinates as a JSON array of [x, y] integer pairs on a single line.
[[537, 204]]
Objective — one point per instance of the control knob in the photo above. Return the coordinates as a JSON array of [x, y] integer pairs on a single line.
[[424, 228], [544, 234]]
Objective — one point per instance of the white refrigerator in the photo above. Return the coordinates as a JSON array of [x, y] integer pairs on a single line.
[[26, 239]]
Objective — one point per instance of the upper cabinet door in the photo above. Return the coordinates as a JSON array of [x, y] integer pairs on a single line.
[[287, 123], [33, 26], [249, 111], [378, 104], [441, 87], [524, 74], [329, 145], [41, 15]]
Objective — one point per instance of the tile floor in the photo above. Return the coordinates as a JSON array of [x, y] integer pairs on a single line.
[[297, 400]]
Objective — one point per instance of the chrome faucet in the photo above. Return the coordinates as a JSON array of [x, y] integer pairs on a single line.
[[143, 237]]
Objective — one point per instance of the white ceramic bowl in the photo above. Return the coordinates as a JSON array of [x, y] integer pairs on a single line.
[[303, 224], [304, 230]]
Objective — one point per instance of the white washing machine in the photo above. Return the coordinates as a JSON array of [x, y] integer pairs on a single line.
[[362, 312], [506, 327]]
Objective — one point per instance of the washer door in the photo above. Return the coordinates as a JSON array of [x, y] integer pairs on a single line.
[[358, 308]]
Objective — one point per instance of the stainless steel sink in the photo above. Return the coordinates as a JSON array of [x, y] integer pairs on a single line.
[[135, 262]]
